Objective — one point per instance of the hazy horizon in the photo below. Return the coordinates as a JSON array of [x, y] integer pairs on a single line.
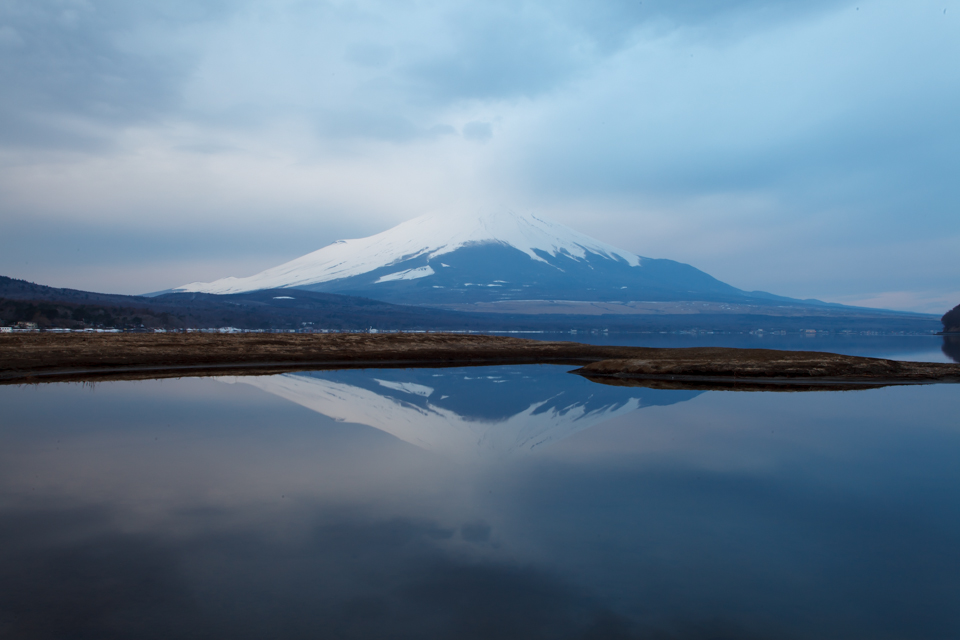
[[805, 150]]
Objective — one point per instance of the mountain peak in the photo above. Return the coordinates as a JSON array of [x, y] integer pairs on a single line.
[[427, 236]]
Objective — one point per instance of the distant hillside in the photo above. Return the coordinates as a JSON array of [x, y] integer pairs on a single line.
[[285, 309], [13, 289], [70, 308]]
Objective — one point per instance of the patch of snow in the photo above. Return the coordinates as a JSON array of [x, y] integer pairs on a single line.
[[409, 274], [284, 298]]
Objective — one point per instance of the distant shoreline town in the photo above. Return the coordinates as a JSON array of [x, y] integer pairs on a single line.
[[32, 327]]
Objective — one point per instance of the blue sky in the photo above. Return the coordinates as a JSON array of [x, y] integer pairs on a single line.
[[807, 149]]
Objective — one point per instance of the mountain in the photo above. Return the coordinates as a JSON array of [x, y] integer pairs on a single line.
[[449, 411], [498, 256]]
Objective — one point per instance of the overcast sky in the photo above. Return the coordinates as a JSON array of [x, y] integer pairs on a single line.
[[809, 149]]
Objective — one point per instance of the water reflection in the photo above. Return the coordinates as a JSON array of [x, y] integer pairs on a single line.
[[951, 347], [339, 576], [193, 508], [458, 411]]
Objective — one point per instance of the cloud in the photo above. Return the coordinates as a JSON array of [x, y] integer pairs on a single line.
[[76, 70], [9, 37], [813, 101], [480, 131], [82, 68]]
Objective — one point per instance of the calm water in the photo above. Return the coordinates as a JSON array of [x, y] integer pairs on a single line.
[[494, 502]]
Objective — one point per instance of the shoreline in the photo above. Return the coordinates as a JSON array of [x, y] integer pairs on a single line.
[[34, 358]]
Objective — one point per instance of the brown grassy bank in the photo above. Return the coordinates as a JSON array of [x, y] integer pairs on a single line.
[[748, 369], [43, 357]]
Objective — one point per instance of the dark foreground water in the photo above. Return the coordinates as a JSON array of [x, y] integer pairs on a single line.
[[496, 502]]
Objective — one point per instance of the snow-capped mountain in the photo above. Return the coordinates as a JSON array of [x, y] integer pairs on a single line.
[[500, 255], [464, 411]]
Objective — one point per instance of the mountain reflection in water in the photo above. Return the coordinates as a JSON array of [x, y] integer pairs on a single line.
[[193, 509], [499, 410]]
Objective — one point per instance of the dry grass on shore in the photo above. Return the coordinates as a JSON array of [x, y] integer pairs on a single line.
[[35, 357]]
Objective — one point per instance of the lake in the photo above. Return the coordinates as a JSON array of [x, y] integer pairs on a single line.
[[486, 502]]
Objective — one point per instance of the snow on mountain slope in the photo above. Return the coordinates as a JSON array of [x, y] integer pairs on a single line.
[[430, 236]]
